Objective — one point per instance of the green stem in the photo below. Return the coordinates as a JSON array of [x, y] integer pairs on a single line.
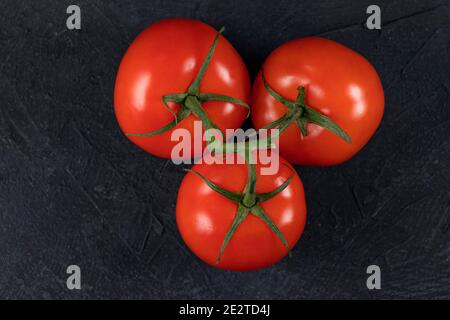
[[249, 198], [241, 214], [195, 86], [182, 114], [195, 106], [292, 116], [258, 211], [301, 113], [248, 201]]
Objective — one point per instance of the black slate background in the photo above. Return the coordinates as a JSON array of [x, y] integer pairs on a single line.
[[73, 190]]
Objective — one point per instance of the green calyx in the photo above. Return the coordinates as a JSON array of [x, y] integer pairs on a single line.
[[302, 114], [249, 202], [191, 101]]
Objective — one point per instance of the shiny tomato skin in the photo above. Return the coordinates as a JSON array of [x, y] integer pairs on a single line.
[[339, 82], [203, 216], [164, 59]]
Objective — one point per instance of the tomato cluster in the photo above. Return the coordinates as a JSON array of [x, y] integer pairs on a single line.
[[325, 99]]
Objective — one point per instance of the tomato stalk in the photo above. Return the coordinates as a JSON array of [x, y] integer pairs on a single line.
[[248, 201], [191, 100], [302, 114], [249, 198]]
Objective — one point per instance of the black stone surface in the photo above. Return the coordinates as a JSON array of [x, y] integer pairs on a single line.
[[73, 190]]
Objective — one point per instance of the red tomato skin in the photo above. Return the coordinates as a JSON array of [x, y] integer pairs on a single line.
[[164, 59], [339, 82], [203, 216]]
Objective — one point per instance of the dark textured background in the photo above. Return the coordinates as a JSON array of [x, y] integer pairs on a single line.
[[73, 190]]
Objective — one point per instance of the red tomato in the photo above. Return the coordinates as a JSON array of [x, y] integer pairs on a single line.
[[339, 83], [165, 59], [204, 216]]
